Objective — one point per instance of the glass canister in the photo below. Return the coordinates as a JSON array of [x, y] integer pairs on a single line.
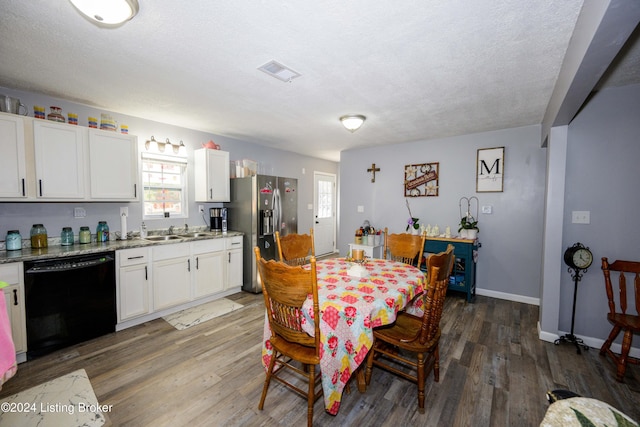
[[38, 236], [102, 232], [13, 240], [85, 235], [66, 237]]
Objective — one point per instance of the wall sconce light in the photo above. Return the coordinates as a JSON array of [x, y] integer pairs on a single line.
[[352, 122], [154, 145], [107, 12]]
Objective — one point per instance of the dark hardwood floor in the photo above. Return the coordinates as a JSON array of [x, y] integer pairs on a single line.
[[494, 372]]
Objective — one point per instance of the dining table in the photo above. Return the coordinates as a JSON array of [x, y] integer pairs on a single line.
[[350, 307]]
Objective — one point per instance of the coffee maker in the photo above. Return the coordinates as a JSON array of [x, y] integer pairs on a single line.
[[218, 220]]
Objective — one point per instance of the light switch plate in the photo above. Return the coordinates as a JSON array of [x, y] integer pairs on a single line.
[[79, 213], [487, 209], [581, 217], [360, 209]]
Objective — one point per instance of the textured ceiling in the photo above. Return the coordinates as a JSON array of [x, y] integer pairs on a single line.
[[416, 69]]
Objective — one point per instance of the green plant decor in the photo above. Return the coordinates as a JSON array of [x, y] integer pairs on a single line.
[[468, 223]]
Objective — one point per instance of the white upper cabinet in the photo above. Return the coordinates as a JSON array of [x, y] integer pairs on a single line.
[[113, 166], [46, 160], [60, 160], [211, 174], [13, 174]]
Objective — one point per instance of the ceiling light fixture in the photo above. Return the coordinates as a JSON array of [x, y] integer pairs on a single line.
[[107, 12], [352, 122]]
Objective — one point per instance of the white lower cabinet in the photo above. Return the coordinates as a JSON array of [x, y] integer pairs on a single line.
[[233, 246], [158, 280], [133, 283], [208, 274], [14, 300], [171, 275]]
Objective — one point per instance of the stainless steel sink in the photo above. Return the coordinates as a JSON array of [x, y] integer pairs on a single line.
[[163, 238], [196, 234]]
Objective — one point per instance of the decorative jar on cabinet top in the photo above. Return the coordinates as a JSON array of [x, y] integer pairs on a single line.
[[56, 115]]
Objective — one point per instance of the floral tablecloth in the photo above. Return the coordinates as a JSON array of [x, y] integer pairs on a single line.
[[349, 308]]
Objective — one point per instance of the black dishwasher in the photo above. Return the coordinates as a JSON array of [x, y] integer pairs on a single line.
[[69, 300]]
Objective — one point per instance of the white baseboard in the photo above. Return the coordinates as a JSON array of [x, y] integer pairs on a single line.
[[594, 343], [509, 297]]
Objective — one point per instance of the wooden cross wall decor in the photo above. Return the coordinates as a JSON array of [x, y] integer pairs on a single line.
[[373, 169]]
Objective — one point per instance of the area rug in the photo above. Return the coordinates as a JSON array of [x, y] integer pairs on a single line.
[[201, 313], [65, 401]]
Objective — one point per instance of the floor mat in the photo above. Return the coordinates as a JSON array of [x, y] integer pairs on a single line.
[[65, 401], [201, 313]]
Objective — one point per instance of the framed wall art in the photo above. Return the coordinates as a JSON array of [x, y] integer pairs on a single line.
[[490, 170], [421, 180]]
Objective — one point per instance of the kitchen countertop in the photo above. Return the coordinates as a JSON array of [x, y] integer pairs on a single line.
[[29, 254]]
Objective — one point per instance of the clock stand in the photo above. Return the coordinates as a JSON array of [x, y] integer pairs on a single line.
[[576, 275], [578, 251]]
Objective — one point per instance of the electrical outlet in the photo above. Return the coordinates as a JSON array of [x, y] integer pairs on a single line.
[[487, 209], [201, 208]]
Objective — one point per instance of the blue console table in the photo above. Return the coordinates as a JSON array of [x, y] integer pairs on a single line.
[[463, 276]]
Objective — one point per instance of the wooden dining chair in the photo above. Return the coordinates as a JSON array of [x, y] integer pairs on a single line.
[[295, 249], [404, 247], [618, 315], [417, 335], [285, 289]]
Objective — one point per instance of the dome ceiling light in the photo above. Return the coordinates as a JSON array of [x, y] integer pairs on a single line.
[[108, 13], [352, 122]]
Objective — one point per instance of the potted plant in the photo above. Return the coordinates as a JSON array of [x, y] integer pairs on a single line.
[[468, 227]]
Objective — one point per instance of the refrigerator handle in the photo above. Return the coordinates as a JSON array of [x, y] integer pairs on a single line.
[[275, 203], [279, 211]]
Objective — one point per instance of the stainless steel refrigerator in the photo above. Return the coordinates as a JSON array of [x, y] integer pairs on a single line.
[[261, 205]]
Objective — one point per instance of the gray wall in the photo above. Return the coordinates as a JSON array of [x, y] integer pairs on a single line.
[[511, 253], [602, 176], [57, 215]]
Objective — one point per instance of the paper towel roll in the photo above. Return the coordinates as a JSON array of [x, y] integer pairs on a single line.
[[123, 227]]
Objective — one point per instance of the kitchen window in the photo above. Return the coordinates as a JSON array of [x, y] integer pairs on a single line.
[[164, 181]]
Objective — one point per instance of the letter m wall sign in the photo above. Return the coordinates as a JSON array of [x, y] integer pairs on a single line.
[[490, 170]]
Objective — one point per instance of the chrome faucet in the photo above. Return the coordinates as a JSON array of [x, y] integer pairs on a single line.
[[170, 229], [186, 228]]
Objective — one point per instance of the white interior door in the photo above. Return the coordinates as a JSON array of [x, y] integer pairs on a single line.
[[324, 206]]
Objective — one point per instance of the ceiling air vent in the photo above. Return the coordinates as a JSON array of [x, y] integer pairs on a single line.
[[279, 71]]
